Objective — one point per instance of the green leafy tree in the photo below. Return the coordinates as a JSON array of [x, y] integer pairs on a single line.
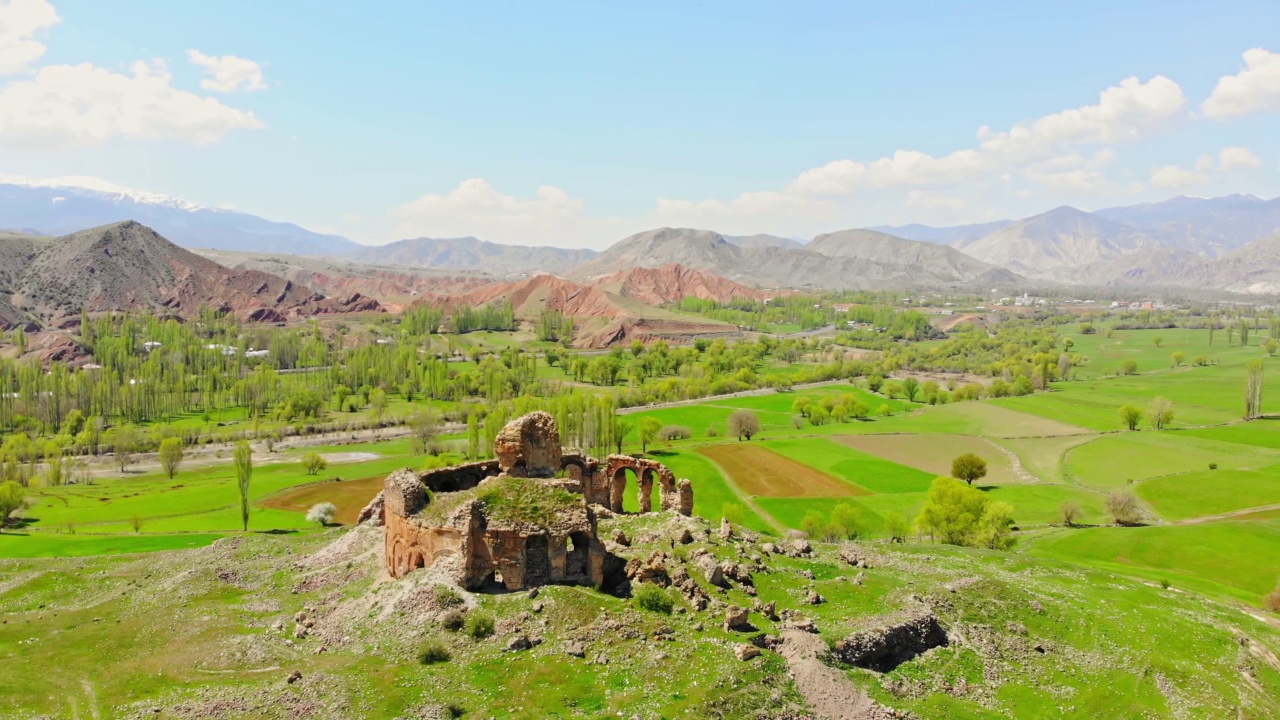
[[1129, 367], [1179, 358], [622, 427], [848, 520], [12, 498], [244, 473], [952, 512], [649, 428], [897, 527], [968, 467], [170, 454], [314, 462], [910, 387], [1253, 390], [1130, 416], [124, 443]]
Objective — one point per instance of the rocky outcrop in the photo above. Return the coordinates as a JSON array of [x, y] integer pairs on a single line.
[[890, 641]]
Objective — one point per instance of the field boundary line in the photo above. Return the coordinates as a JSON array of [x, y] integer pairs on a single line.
[[746, 499]]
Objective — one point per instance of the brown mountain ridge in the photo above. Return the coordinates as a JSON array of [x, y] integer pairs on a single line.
[[128, 266]]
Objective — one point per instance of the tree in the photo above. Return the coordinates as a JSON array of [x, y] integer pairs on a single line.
[[897, 527], [968, 467], [649, 428], [622, 427], [847, 520], [1070, 512], [1179, 359], [124, 443], [953, 512], [314, 462], [422, 430], [995, 526], [1158, 341], [244, 472], [1131, 416], [1123, 508], [1129, 367], [322, 513], [1271, 347], [744, 423], [171, 454], [12, 497], [1160, 412], [910, 386], [1253, 390]]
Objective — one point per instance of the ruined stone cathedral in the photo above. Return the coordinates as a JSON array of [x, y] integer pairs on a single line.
[[525, 519]]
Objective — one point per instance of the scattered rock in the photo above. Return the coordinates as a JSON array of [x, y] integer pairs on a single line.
[[746, 652], [801, 548], [620, 538], [813, 598], [533, 592], [576, 648], [769, 549], [736, 618], [299, 631], [294, 677], [726, 529], [518, 643]]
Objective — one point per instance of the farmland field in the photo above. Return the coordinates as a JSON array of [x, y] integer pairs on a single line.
[[757, 471]]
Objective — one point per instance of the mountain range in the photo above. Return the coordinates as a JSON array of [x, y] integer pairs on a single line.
[[128, 266], [1215, 243]]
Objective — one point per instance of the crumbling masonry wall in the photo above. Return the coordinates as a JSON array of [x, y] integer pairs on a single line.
[[484, 553]]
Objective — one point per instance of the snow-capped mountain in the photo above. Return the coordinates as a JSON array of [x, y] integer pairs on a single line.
[[63, 205]]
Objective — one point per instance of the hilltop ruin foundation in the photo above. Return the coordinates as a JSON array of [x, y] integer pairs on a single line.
[[524, 519]]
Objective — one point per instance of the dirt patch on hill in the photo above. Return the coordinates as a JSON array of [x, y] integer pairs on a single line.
[[763, 473], [349, 496]]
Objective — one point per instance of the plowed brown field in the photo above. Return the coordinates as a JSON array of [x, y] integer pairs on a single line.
[[758, 471]]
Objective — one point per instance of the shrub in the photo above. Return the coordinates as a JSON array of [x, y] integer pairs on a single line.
[[1213, 466], [451, 620], [744, 423], [314, 462], [1272, 601], [433, 652], [446, 596], [1070, 512], [674, 432], [712, 431], [654, 599], [897, 527], [1123, 507], [322, 513], [478, 625]]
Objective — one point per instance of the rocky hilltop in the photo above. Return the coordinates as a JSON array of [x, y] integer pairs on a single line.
[[128, 266], [468, 253]]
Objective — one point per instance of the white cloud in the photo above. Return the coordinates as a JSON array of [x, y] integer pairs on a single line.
[[476, 208], [1124, 113], [1175, 179], [1233, 158], [1256, 88], [20, 21], [904, 167], [67, 106], [228, 73]]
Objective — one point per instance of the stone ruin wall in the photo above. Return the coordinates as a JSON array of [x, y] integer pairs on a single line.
[[528, 446]]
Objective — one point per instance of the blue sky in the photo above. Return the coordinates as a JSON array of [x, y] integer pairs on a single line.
[[574, 124]]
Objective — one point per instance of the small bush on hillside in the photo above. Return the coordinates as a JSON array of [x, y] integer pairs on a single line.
[[1213, 466], [712, 431], [1272, 601], [478, 625], [433, 652], [1123, 507], [1070, 512], [654, 599], [446, 596], [674, 432], [451, 620]]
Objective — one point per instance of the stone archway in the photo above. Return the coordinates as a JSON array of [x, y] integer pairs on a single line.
[[577, 551], [647, 472]]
